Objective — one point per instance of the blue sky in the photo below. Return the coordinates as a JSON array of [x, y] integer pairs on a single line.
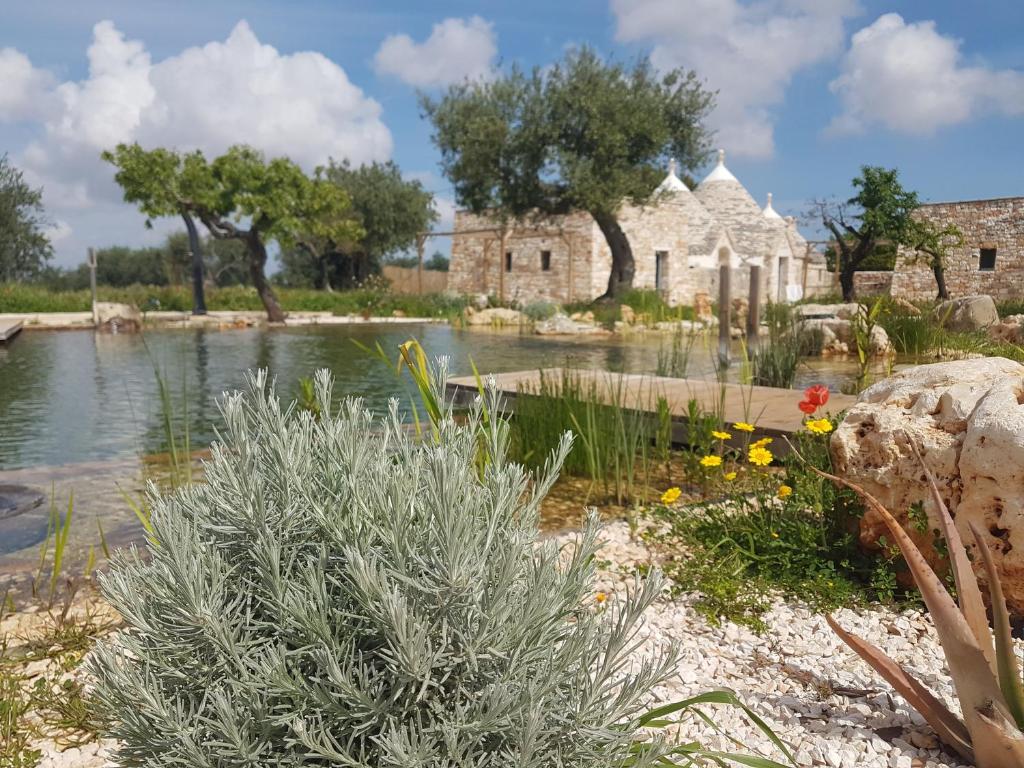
[[809, 89]]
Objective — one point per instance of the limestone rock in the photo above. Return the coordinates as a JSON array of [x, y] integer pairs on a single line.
[[118, 318], [837, 337], [582, 317], [970, 313], [560, 325], [702, 308], [844, 311], [628, 314], [1010, 329], [967, 420], [907, 307], [495, 316]]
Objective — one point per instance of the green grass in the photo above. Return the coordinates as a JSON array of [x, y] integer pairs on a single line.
[[648, 305], [16, 297]]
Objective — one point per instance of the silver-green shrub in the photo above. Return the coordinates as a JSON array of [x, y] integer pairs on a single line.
[[340, 593]]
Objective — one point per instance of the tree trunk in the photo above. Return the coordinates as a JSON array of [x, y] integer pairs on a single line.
[[940, 278], [846, 284], [257, 262], [620, 279], [323, 275]]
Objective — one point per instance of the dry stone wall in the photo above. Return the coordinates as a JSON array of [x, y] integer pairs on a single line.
[[985, 224]]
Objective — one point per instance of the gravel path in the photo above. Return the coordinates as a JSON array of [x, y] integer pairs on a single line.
[[817, 695]]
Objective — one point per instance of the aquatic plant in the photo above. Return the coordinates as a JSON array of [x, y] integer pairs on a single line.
[[981, 661], [342, 592]]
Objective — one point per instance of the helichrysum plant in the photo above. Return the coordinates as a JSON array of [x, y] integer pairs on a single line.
[[341, 592]]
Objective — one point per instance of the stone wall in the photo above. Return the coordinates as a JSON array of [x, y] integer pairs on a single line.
[[997, 224], [407, 280], [873, 283], [478, 265]]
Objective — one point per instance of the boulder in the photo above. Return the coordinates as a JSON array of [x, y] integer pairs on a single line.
[[837, 336], [628, 314], [966, 418], [907, 307], [1009, 329], [495, 316], [702, 308], [740, 307], [970, 313], [582, 317], [844, 311], [118, 318], [560, 325]]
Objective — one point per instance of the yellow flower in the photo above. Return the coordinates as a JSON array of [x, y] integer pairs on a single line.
[[600, 597], [775, 535], [711, 461], [784, 492], [760, 456], [742, 426], [819, 426], [761, 443], [721, 435], [730, 475], [670, 495]]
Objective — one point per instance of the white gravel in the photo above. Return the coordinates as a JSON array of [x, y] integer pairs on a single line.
[[814, 692]]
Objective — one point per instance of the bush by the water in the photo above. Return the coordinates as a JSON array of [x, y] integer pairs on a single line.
[[372, 300], [339, 593]]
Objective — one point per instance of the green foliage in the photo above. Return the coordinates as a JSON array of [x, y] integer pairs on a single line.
[[540, 310], [374, 301], [391, 212], [774, 363], [584, 134], [24, 247], [15, 706], [338, 560]]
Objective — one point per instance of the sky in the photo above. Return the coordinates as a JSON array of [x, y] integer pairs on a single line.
[[808, 90]]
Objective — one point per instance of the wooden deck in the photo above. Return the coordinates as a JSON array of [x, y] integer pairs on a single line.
[[774, 412], [9, 329]]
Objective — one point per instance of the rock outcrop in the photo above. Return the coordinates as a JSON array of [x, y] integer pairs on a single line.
[[969, 313], [966, 418], [837, 338], [560, 325], [118, 318], [1010, 328], [495, 316]]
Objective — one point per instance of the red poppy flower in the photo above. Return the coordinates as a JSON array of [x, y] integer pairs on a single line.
[[817, 395], [807, 406]]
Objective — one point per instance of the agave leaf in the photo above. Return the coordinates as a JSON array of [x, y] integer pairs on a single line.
[[1006, 661], [976, 686], [998, 742], [971, 603], [950, 728]]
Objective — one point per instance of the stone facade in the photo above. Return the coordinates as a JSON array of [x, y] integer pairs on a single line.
[[875, 283], [679, 240], [990, 261]]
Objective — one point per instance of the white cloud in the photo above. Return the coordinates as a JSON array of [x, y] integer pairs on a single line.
[[748, 51], [445, 207], [58, 231], [239, 91], [911, 79], [25, 91], [457, 49]]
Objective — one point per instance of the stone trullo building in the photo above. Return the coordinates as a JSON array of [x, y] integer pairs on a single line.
[[678, 242]]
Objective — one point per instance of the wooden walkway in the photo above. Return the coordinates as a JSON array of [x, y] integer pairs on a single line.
[[774, 412], [9, 329]]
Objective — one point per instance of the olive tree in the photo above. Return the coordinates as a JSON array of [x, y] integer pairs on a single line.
[[583, 134], [238, 196]]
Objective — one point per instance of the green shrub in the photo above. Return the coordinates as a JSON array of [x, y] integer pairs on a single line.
[[337, 593], [540, 310]]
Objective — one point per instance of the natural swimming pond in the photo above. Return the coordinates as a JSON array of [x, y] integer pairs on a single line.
[[76, 396], [78, 409]]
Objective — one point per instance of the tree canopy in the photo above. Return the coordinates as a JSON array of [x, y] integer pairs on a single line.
[[239, 195], [879, 217], [24, 247], [584, 134], [390, 210]]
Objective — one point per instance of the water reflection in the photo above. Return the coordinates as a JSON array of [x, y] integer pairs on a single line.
[[70, 397]]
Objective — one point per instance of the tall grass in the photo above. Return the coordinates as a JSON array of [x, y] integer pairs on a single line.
[[774, 363], [675, 360], [616, 440]]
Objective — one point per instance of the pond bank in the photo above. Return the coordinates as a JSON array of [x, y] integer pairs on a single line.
[[219, 319]]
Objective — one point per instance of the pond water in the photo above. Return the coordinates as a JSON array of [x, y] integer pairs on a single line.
[[77, 396], [78, 410]]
